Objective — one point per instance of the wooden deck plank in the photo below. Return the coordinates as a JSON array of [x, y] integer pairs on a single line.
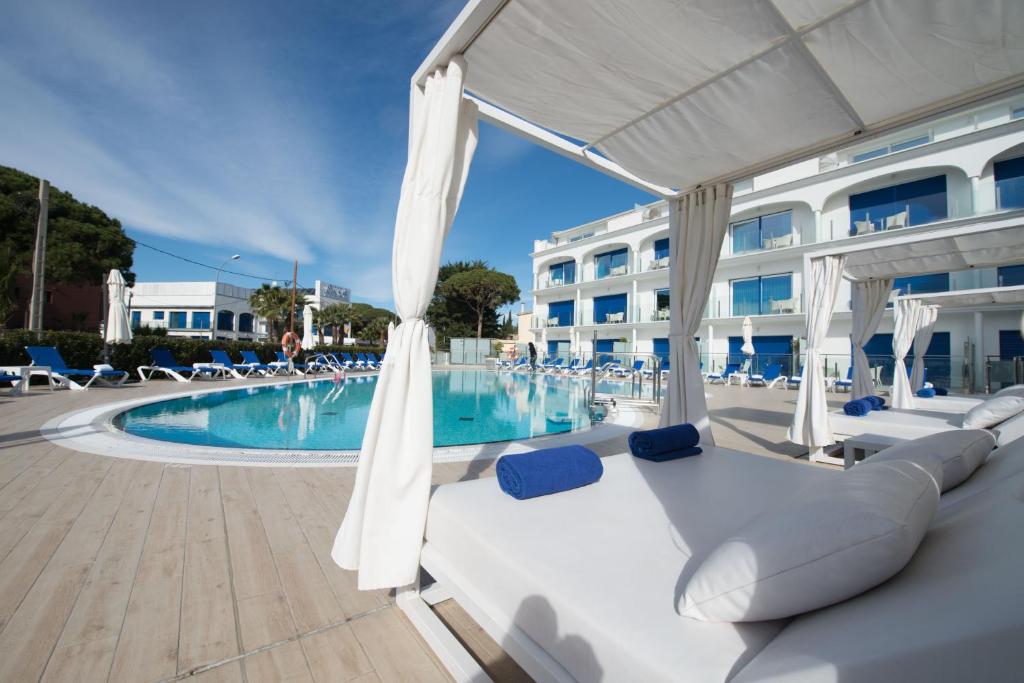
[[284, 663], [395, 651], [335, 655], [208, 628], [226, 673], [147, 648], [87, 662]]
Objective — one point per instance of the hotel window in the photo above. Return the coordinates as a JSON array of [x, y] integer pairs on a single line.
[[561, 313], [577, 238], [922, 284], [661, 248], [762, 295], [136, 318], [897, 206], [225, 320], [889, 149], [764, 232], [178, 320], [158, 315], [1009, 183], [610, 309], [1011, 276], [611, 263], [562, 274], [661, 304], [245, 322], [200, 320]]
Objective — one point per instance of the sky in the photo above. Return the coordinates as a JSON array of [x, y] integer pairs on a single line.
[[272, 130]]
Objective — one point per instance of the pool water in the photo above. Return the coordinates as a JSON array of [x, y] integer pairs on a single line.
[[470, 406]]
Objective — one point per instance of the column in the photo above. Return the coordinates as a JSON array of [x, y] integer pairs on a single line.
[[818, 237], [979, 355], [975, 193]]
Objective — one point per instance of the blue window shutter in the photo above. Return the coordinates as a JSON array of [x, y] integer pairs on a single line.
[[1011, 345], [661, 248], [661, 348], [563, 310], [605, 305]]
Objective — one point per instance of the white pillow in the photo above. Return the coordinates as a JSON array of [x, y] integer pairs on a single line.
[[960, 452], [992, 412], [1008, 431], [846, 536], [1014, 390]]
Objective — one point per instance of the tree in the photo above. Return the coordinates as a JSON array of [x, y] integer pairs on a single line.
[[482, 290], [8, 277], [377, 329], [83, 243], [452, 317], [274, 304]]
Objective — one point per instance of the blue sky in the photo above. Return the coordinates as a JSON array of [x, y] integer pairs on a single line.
[[273, 130]]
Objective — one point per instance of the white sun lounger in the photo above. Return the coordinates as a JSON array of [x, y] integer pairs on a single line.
[[592, 596]]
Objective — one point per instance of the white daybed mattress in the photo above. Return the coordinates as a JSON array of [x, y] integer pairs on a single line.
[[908, 424], [592, 575], [947, 404]]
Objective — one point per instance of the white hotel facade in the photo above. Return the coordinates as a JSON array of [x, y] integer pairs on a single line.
[[608, 279]]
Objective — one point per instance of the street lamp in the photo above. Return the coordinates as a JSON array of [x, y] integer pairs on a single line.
[[216, 282]]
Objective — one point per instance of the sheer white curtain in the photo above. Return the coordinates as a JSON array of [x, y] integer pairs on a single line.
[[810, 420], [907, 311], [869, 300], [925, 328], [697, 225], [382, 532]]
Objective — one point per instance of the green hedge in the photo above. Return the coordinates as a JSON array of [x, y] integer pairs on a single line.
[[83, 349]]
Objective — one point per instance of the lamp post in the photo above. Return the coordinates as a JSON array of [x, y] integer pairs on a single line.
[[216, 283]]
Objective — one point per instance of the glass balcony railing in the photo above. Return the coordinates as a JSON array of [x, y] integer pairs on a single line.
[[1010, 193]]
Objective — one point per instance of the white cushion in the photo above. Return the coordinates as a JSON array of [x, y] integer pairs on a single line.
[[1010, 430], [992, 412], [1014, 390], [843, 537], [960, 452]]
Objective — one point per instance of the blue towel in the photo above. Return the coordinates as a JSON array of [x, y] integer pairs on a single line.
[[668, 443], [539, 473], [877, 402], [857, 408], [926, 392], [939, 391]]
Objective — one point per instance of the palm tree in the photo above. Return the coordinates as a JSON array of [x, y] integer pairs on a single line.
[[271, 303], [377, 329], [334, 315]]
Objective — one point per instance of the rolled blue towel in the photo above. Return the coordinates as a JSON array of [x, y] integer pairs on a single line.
[[940, 391], [667, 443], [539, 473], [926, 392], [877, 402], [858, 407]]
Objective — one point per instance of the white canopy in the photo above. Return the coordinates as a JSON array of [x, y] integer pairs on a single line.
[[748, 337], [117, 329], [986, 297], [682, 94], [308, 340]]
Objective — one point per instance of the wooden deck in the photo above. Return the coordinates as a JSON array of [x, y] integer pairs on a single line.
[[125, 570]]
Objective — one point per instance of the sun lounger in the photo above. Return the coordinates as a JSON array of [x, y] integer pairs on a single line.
[[250, 359], [637, 366], [282, 364], [15, 381], [794, 382], [50, 357], [723, 376], [585, 368], [164, 362], [593, 596], [845, 384], [771, 376], [220, 357]]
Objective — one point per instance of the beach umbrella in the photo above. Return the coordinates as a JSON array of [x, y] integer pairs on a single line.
[[117, 329], [308, 340], [748, 337]]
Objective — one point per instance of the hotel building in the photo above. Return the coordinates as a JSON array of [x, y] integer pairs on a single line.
[[602, 287]]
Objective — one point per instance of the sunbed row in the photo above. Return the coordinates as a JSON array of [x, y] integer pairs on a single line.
[[578, 366]]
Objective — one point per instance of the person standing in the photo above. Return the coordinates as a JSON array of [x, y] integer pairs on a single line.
[[533, 356]]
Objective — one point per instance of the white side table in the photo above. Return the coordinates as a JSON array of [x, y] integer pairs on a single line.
[[741, 377], [868, 444], [26, 372]]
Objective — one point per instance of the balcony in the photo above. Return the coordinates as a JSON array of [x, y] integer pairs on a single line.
[[652, 314]]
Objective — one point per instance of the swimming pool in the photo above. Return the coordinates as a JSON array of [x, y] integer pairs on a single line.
[[470, 407]]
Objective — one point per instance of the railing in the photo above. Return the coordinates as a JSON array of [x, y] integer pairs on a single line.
[[1002, 372]]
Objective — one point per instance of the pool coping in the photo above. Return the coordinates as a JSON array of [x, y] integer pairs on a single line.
[[91, 430]]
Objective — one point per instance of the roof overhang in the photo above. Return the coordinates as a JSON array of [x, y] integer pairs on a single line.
[[985, 298], [668, 96]]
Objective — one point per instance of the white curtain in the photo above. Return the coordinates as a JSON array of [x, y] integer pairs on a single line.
[[869, 299], [810, 420], [697, 225], [925, 327], [382, 532], [117, 328], [907, 311]]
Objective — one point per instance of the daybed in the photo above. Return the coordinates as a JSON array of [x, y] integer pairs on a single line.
[[592, 597], [911, 424]]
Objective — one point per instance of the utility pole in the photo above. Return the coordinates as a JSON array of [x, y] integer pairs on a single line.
[[295, 277], [35, 310]]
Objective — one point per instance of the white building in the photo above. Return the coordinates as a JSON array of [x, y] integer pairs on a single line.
[[207, 310], [608, 279]]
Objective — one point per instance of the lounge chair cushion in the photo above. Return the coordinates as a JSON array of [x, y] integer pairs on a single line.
[[993, 411], [1009, 431], [1014, 390], [960, 451], [831, 543]]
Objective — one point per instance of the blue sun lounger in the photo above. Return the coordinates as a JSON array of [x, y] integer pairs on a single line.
[[50, 356], [771, 376], [846, 383], [795, 381], [723, 376], [282, 364], [250, 359], [165, 362], [222, 358]]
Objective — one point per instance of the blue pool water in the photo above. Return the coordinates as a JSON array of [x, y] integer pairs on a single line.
[[470, 406]]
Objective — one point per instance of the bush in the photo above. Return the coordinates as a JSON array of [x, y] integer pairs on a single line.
[[84, 349]]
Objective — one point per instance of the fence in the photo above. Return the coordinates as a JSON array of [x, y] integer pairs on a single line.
[[470, 351]]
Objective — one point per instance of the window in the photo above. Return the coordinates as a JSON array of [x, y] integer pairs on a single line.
[[564, 311], [768, 350], [577, 238], [611, 263], [889, 149], [245, 322], [661, 304], [200, 320], [158, 315], [661, 348], [610, 309], [763, 232], [1009, 183], [562, 274], [864, 156], [661, 248], [897, 206], [558, 349], [1010, 276], [762, 295], [603, 349], [178, 319], [136, 318], [1017, 113], [922, 284], [225, 320]]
